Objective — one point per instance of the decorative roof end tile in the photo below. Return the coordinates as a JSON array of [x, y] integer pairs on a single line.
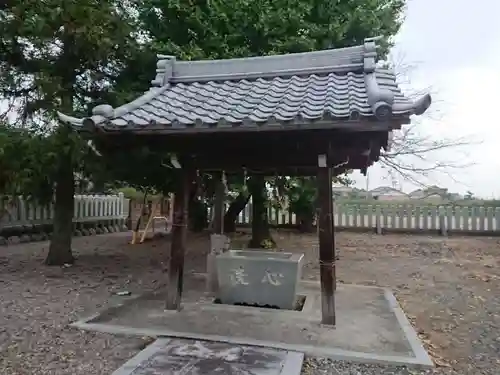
[[119, 122], [382, 111], [328, 116], [370, 56], [104, 110], [247, 122], [418, 107], [175, 123], [380, 99], [354, 115], [164, 70], [272, 120], [422, 104]]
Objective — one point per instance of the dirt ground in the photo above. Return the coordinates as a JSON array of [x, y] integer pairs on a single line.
[[449, 288]]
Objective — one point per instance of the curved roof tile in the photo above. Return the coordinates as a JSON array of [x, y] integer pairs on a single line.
[[331, 85]]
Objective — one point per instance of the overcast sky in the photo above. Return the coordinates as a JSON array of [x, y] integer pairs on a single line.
[[453, 47]]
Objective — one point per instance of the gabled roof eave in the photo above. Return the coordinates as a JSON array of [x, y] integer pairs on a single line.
[[70, 120], [416, 107], [384, 106], [105, 112]]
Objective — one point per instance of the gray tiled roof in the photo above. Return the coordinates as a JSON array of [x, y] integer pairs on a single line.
[[324, 86]]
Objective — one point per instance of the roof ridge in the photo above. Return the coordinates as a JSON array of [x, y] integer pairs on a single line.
[[338, 60]]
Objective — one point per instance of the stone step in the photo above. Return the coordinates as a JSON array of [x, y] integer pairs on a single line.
[[174, 356]]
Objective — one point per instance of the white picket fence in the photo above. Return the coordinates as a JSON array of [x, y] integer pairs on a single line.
[[18, 212], [399, 217], [114, 209]]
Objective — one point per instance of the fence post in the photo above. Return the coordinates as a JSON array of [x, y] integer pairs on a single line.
[[443, 229], [378, 223], [473, 217], [354, 213], [449, 219], [121, 209], [482, 214], [497, 219], [489, 218]]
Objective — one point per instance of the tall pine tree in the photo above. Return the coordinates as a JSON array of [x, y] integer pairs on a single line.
[[62, 55]]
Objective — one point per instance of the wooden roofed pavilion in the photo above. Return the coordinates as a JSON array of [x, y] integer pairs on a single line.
[[315, 113]]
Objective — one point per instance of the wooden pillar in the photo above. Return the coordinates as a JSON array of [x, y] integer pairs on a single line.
[[326, 241], [178, 244]]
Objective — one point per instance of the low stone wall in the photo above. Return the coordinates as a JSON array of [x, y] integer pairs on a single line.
[[36, 233]]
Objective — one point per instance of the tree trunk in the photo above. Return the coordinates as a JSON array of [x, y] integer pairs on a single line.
[[218, 210], [60, 244], [233, 211], [261, 235], [197, 212], [198, 215], [305, 223]]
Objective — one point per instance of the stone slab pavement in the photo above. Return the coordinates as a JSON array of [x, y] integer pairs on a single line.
[[195, 357], [371, 327]]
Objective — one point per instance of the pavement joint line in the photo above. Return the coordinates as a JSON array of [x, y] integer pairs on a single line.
[[408, 330]]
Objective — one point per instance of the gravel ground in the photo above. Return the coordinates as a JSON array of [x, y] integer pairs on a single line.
[[449, 289], [317, 366]]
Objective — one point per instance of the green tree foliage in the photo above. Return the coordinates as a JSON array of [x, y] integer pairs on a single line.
[[68, 54], [298, 195], [21, 173], [140, 167], [62, 55], [215, 29], [28, 162]]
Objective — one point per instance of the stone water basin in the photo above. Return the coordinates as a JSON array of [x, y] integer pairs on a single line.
[[256, 277]]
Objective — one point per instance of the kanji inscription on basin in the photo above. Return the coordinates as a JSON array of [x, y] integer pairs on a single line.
[[193, 357], [238, 276], [273, 278]]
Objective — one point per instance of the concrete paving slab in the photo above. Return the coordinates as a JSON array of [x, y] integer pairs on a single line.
[[195, 357], [371, 327]]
